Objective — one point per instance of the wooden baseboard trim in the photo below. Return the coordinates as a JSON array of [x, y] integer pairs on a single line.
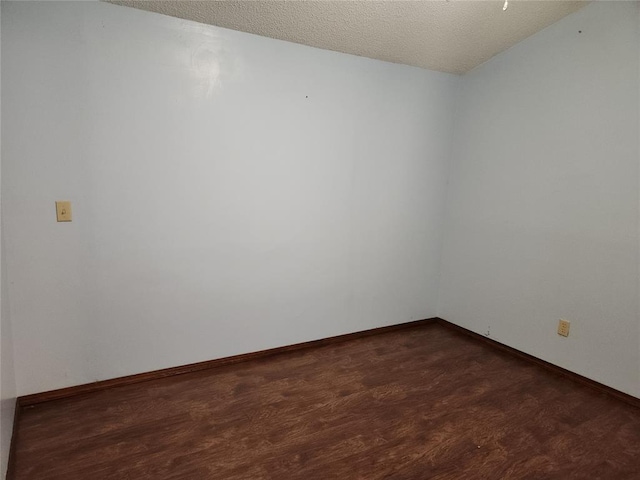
[[36, 398], [11, 462], [631, 400]]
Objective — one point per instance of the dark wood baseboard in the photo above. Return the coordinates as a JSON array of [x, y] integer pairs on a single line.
[[631, 400], [11, 462], [35, 398]]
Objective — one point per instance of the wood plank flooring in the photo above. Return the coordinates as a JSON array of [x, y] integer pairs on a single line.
[[422, 403]]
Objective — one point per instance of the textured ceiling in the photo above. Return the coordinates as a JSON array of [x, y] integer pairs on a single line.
[[450, 36]]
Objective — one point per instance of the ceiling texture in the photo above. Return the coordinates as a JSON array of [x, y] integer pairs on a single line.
[[451, 36]]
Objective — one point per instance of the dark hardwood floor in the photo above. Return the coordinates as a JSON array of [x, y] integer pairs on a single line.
[[422, 403]]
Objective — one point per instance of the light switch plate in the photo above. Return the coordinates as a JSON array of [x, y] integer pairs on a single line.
[[63, 211]]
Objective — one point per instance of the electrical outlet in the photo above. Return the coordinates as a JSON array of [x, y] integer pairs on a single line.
[[563, 327], [63, 211]]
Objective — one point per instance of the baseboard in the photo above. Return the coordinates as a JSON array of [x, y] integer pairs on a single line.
[[262, 354], [11, 461], [35, 398], [631, 400]]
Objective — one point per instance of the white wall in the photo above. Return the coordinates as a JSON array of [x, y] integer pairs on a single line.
[[542, 210], [217, 209], [7, 373]]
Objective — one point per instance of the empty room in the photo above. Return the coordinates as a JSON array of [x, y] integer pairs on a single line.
[[254, 240]]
